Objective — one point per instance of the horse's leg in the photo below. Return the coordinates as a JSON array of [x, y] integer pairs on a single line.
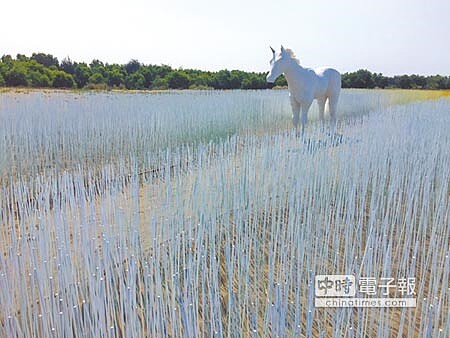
[[321, 103], [295, 112], [333, 101], [305, 108]]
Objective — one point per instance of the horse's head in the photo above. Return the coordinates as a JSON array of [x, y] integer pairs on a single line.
[[278, 64]]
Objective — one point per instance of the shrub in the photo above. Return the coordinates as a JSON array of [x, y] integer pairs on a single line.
[[63, 80], [115, 78], [81, 75], [160, 83], [38, 79], [135, 81], [178, 80], [47, 60], [96, 78], [16, 77]]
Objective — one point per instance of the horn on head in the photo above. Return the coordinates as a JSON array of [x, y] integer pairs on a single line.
[[273, 50]]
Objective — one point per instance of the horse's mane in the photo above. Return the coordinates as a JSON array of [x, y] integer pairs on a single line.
[[291, 54]]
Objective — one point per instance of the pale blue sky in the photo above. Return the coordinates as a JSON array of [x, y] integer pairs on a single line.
[[388, 36]]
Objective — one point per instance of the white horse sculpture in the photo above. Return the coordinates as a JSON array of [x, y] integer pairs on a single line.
[[305, 85]]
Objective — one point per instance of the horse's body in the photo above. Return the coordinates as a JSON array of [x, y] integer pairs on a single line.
[[305, 85]]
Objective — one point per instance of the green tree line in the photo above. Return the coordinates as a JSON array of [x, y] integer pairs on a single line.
[[42, 70], [365, 79]]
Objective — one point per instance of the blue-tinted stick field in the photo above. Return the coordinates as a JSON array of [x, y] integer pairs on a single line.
[[203, 214]]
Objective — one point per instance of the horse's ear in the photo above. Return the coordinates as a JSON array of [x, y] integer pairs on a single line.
[[273, 50], [282, 49]]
